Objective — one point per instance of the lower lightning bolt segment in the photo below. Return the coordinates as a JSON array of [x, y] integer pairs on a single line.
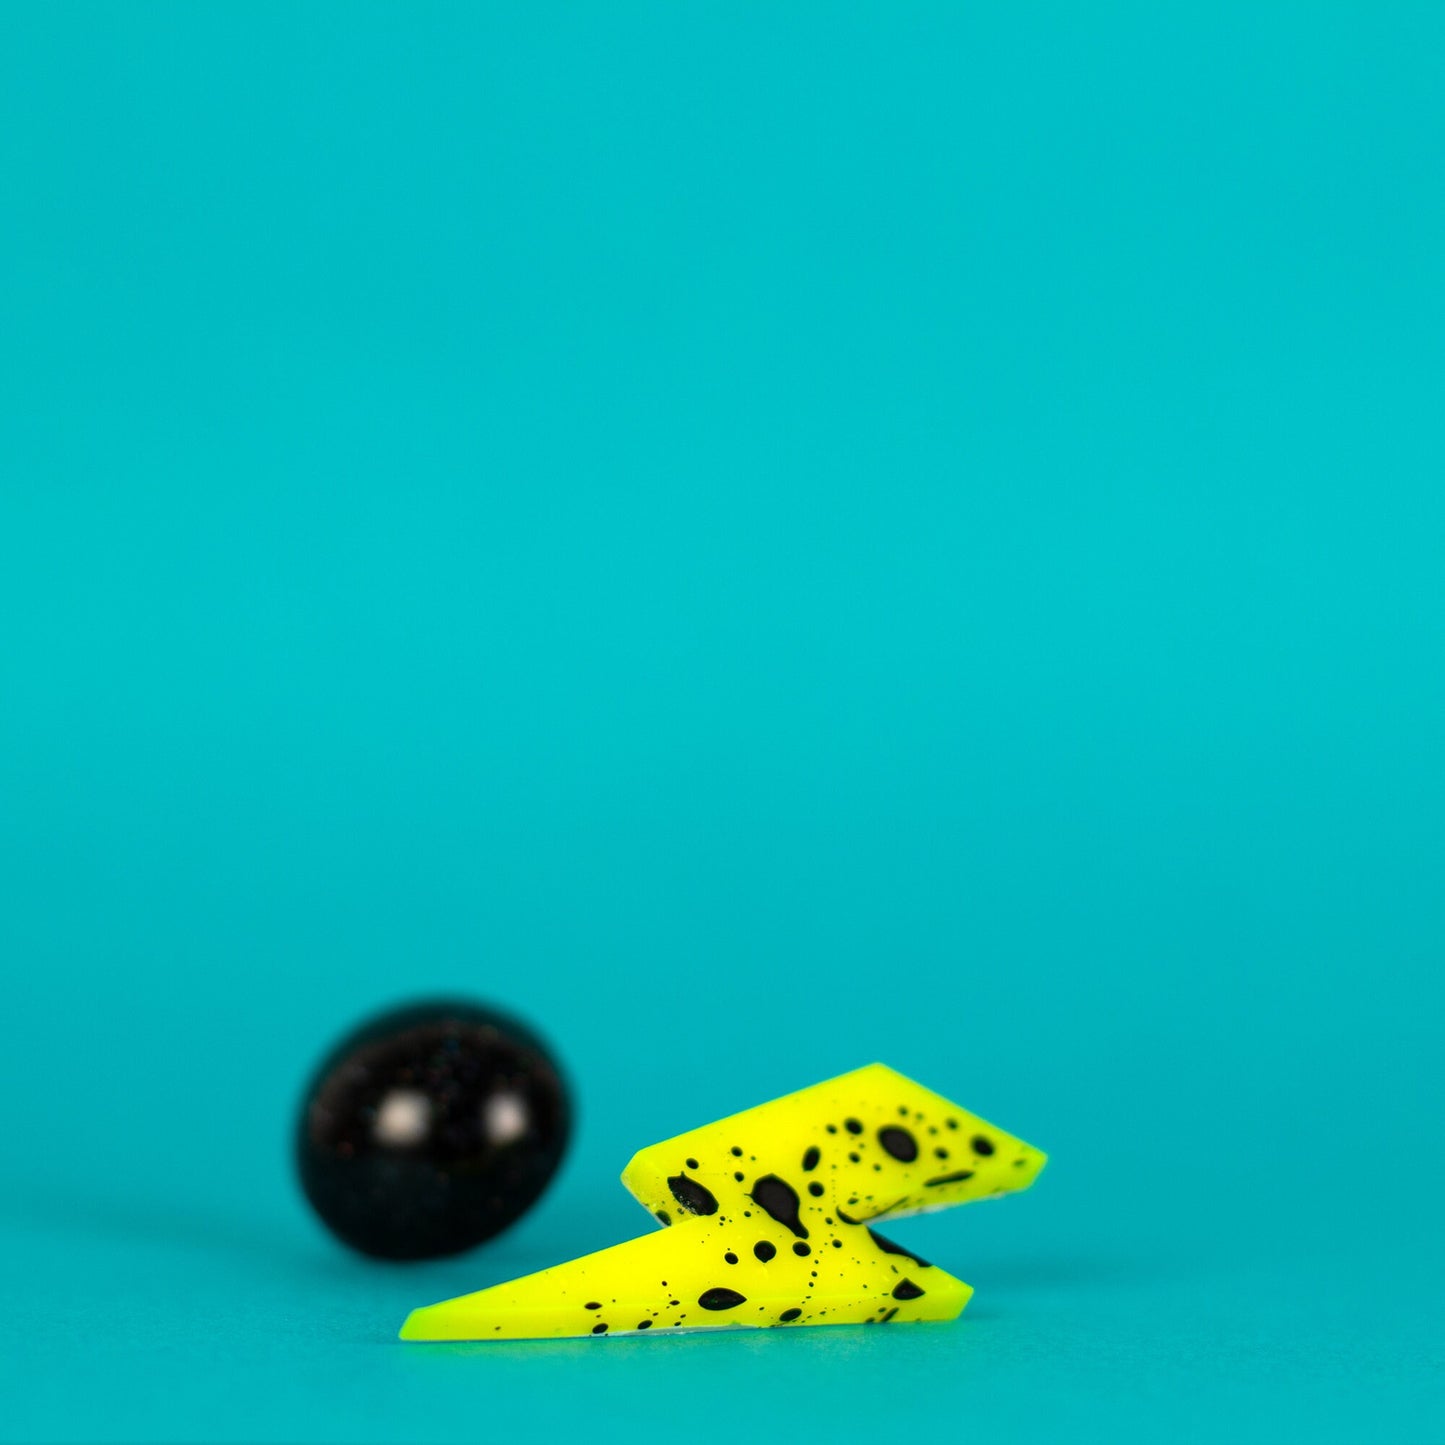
[[768, 1216]]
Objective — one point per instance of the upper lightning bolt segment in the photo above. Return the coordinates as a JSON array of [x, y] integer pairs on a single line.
[[767, 1219]]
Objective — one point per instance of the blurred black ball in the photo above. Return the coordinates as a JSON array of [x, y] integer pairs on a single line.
[[431, 1128]]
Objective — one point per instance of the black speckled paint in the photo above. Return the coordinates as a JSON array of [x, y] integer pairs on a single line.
[[720, 1298], [694, 1197], [779, 1200], [882, 1167], [899, 1143], [957, 1177], [888, 1247]]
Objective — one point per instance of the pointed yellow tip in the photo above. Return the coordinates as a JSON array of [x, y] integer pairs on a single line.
[[439, 1322], [1031, 1166]]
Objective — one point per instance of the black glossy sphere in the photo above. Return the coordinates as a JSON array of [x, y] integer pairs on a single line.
[[431, 1128]]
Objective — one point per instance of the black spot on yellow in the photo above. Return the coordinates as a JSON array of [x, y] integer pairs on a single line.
[[888, 1247], [720, 1298], [780, 1200], [694, 1197], [957, 1177], [899, 1143]]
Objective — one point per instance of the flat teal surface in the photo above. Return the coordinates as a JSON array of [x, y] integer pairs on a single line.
[[761, 538]]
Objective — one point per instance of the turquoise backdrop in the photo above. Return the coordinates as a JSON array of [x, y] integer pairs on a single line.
[[761, 537]]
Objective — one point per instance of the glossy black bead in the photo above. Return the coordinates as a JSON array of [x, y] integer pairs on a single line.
[[431, 1128]]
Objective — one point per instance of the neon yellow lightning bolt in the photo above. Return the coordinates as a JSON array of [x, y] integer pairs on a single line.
[[769, 1214]]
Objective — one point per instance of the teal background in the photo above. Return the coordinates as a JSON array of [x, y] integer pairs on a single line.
[[762, 538]]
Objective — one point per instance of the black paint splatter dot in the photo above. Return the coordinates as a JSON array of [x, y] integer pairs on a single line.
[[815, 1189], [600, 1328], [730, 1257], [780, 1200], [738, 1175], [801, 1249], [982, 1144], [694, 1197], [664, 1217], [764, 1250], [737, 1153], [810, 1159], [832, 1128], [692, 1163], [940, 1153], [720, 1298], [593, 1304], [791, 1314], [889, 1315], [837, 1244], [888, 1247], [644, 1324], [906, 1289], [957, 1177], [951, 1123], [852, 1126], [899, 1143], [854, 1158]]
